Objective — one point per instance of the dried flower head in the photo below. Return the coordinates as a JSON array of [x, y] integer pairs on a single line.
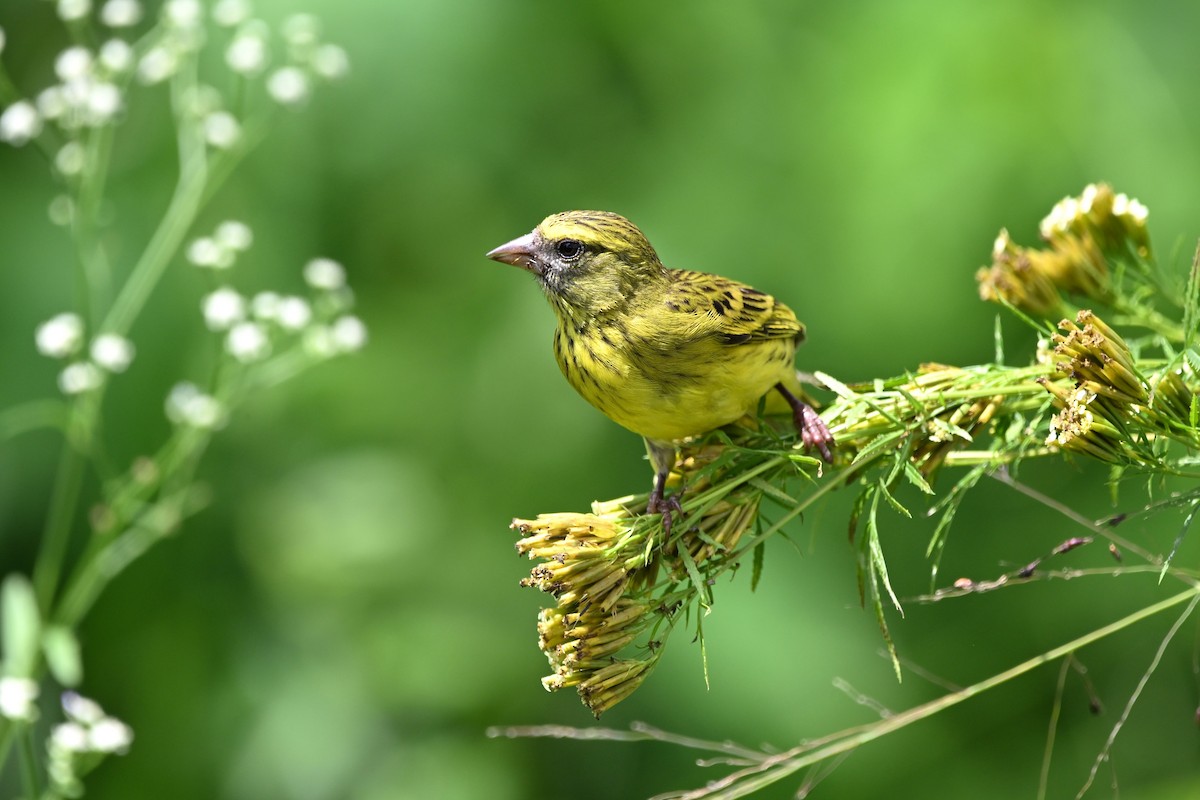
[[1021, 278], [1084, 235]]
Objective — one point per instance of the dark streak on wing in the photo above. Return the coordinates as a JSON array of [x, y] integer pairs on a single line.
[[732, 312]]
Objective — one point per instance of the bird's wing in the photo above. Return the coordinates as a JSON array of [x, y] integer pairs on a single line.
[[732, 312]]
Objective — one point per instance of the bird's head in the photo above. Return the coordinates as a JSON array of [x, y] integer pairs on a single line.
[[588, 262]]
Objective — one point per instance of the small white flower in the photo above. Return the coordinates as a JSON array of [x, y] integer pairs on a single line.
[[121, 13], [16, 698], [116, 56], [331, 62], [223, 308], [19, 123], [51, 103], [301, 29], [73, 64], [1088, 197], [247, 342], [325, 273], [1137, 211], [183, 13], [70, 737], [221, 130], [103, 103], [247, 54], [71, 10], [288, 86], [349, 334], [206, 252], [81, 709], [112, 352], [265, 306], [293, 313], [82, 376], [110, 735], [234, 235], [70, 159], [60, 336], [187, 405], [230, 13], [157, 65]]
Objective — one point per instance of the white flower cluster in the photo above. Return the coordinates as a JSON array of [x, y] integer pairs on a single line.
[[188, 405], [1067, 212], [220, 250], [87, 732], [249, 54], [89, 93], [253, 326], [62, 337]]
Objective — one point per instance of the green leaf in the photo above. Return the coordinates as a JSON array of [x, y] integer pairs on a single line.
[[22, 626], [756, 568], [62, 655], [916, 478], [774, 492], [1187, 523], [877, 444], [1191, 301], [697, 579], [893, 502], [881, 619], [876, 571], [879, 565]]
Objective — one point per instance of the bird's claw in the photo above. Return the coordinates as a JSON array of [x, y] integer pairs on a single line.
[[667, 506], [814, 433]]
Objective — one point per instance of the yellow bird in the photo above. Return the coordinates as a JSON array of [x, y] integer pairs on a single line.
[[666, 353]]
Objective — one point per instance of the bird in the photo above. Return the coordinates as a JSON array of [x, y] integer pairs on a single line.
[[668, 354]]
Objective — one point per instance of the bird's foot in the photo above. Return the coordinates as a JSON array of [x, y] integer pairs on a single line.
[[814, 433], [667, 506]]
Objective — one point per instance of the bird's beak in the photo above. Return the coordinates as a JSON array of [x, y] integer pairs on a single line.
[[519, 252]]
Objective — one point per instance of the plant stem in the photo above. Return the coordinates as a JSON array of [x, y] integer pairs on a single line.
[[29, 762], [184, 205], [64, 499]]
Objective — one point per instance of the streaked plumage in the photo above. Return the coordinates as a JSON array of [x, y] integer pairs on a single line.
[[666, 353]]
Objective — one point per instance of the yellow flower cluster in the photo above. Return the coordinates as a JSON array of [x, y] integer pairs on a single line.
[[586, 562], [1113, 411], [616, 580]]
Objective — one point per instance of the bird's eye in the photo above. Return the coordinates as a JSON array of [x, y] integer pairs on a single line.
[[569, 249]]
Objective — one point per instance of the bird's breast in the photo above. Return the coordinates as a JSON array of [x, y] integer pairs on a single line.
[[667, 388]]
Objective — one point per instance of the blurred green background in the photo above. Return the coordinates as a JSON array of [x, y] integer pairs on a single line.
[[345, 620]]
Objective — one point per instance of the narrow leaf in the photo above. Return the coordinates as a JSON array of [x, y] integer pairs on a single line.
[[756, 566], [1187, 523], [916, 478], [893, 502]]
